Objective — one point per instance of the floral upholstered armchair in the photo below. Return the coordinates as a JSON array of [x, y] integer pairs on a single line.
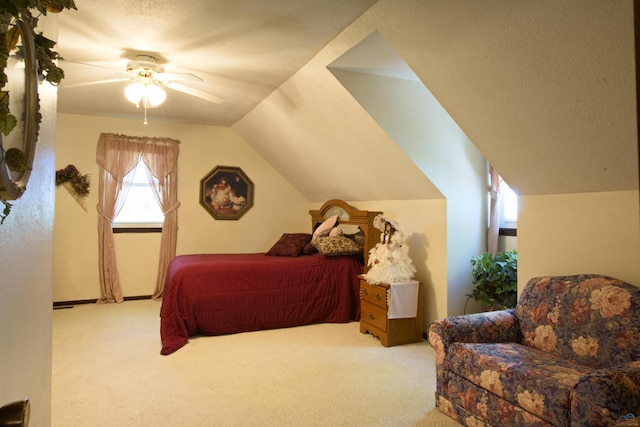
[[568, 355]]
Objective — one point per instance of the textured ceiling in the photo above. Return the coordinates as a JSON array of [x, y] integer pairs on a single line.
[[242, 50], [545, 99]]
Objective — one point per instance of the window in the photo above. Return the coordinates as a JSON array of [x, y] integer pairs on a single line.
[[141, 209], [509, 207]]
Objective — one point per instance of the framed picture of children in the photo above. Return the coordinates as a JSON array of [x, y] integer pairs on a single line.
[[226, 192]]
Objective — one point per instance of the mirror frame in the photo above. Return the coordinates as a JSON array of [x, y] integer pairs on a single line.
[[12, 188]]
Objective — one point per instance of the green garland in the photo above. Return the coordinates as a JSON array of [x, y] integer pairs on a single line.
[[10, 12]]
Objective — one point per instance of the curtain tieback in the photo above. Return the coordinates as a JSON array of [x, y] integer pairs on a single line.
[[171, 209], [103, 214]]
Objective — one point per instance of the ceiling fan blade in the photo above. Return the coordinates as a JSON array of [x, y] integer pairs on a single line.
[[96, 82], [166, 77], [194, 92], [117, 70]]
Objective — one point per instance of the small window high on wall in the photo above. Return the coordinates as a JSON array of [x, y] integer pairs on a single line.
[[140, 209], [509, 217]]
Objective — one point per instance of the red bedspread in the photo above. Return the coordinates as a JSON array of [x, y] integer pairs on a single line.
[[216, 294]]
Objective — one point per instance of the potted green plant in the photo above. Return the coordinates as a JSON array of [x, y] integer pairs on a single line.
[[495, 280]]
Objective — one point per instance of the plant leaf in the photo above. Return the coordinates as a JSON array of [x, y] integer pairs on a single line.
[[11, 38], [7, 120], [7, 125], [16, 160]]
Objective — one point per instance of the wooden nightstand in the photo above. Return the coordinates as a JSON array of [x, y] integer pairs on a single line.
[[374, 320]]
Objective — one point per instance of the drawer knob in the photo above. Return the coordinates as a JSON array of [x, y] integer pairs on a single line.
[[365, 291], [371, 316], [378, 296]]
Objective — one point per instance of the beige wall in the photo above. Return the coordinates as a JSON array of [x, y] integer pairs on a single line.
[[400, 129], [507, 243], [579, 233], [548, 143], [278, 208], [26, 264], [420, 126], [558, 234], [311, 120]]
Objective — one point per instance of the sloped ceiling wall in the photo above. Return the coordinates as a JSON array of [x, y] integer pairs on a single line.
[[323, 142], [543, 89], [393, 95]]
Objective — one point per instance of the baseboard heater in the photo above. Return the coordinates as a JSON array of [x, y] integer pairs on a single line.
[[58, 305]]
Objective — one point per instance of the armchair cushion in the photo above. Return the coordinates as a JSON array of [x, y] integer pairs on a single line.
[[524, 377], [587, 319], [569, 355]]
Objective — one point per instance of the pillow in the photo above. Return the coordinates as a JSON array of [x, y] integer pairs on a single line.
[[309, 249], [337, 245], [290, 244], [324, 228], [335, 231], [357, 237]]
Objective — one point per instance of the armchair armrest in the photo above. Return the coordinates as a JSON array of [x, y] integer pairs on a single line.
[[493, 326], [604, 396]]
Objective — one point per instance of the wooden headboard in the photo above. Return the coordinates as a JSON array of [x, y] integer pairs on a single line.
[[347, 214]]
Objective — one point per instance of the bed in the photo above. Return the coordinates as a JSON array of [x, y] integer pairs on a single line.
[[290, 285]]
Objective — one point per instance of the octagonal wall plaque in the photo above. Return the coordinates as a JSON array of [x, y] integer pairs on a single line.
[[226, 192]]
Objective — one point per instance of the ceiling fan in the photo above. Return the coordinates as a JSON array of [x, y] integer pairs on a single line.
[[148, 80]]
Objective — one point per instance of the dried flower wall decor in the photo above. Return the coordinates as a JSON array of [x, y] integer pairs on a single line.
[[77, 184]]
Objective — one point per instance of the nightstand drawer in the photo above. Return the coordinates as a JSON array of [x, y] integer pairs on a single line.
[[375, 316], [373, 294]]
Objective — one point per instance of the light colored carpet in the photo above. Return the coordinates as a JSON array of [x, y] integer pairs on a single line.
[[108, 371]]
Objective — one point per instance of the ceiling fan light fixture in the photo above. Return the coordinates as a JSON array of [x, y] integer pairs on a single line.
[[134, 92], [151, 95], [155, 95]]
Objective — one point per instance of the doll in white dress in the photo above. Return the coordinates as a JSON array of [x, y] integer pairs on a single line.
[[388, 263]]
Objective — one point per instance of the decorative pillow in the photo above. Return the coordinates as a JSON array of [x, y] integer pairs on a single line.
[[357, 237], [324, 228], [337, 245], [335, 231], [309, 249], [290, 244]]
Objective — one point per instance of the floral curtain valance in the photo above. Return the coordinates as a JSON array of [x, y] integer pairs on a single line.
[[160, 155]]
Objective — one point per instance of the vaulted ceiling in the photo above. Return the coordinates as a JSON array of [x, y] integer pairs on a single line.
[[242, 50], [543, 89]]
